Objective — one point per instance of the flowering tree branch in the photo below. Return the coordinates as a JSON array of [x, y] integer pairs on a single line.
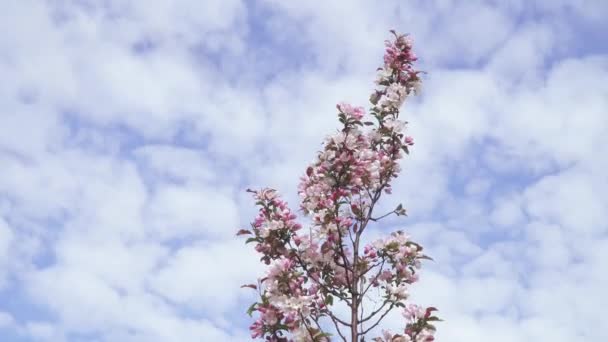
[[339, 191]]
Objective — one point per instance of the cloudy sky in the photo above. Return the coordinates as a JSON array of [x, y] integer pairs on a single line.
[[130, 130]]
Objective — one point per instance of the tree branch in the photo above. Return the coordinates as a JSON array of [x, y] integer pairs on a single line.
[[379, 319]]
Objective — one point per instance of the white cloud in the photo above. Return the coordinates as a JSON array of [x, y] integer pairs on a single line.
[[6, 240], [178, 163], [208, 276], [191, 211], [6, 319], [573, 199]]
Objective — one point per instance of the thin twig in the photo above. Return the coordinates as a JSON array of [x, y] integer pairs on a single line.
[[379, 319]]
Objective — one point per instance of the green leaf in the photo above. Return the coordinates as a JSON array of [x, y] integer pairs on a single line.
[[319, 336], [251, 239], [251, 309], [410, 243], [430, 326], [329, 300], [400, 211], [251, 286]]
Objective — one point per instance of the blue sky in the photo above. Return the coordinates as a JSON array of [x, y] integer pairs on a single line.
[[130, 130]]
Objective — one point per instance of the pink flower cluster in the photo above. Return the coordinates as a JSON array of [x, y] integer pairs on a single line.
[[288, 302], [403, 256], [285, 302], [418, 329], [274, 226], [399, 58], [351, 113]]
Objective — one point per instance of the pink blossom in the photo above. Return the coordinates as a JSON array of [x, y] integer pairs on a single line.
[[356, 113]]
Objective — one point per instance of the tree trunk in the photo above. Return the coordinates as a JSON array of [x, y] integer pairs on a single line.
[[354, 320]]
